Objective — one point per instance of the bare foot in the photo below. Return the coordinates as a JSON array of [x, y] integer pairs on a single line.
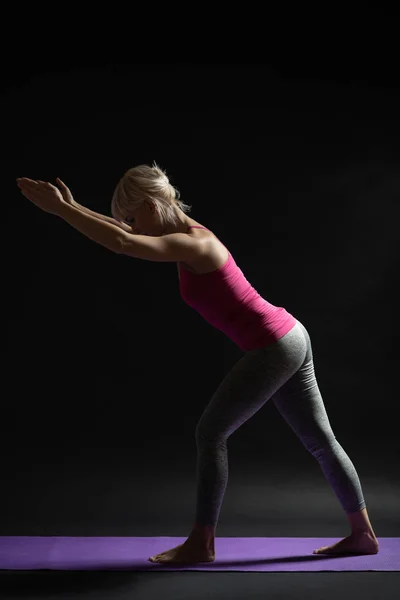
[[184, 554], [356, 543]]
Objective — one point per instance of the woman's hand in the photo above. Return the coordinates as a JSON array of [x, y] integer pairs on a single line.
[[66, 193], [42, 193]]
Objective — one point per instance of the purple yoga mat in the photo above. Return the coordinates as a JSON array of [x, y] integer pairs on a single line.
[[232, 554]]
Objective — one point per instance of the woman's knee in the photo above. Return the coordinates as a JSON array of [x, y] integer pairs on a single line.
[[205, 435], [323, 446]]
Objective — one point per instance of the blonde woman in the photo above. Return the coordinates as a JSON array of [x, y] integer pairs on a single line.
[[150, 222]]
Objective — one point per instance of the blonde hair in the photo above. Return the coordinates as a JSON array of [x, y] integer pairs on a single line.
[[143, 183]]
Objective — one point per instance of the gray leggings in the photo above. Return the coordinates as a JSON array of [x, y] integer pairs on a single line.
[[283, 371]]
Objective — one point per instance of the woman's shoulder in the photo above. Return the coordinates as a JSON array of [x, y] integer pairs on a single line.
[[216, 256]]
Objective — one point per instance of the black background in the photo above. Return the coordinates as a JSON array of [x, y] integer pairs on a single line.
[[294, 166]]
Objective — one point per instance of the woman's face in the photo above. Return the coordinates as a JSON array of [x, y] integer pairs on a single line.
[[144, 221]]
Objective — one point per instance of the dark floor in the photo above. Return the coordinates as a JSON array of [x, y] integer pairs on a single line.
[[195, 585], [284, 505]]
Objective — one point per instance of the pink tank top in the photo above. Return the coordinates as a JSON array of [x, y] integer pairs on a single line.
[[230, 303]]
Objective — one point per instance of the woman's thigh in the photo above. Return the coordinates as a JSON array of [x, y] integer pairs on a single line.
[[300, 403], [254, 379]]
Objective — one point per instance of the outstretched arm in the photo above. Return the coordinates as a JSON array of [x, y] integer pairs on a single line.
[[61, 203], [98, 230], [69, 199], [123, 226]]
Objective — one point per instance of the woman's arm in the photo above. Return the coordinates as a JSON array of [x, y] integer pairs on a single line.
[[69, 199], [98, 230], [92, 213]]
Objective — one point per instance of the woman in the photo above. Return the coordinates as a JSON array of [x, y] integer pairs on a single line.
[[150, 222]]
